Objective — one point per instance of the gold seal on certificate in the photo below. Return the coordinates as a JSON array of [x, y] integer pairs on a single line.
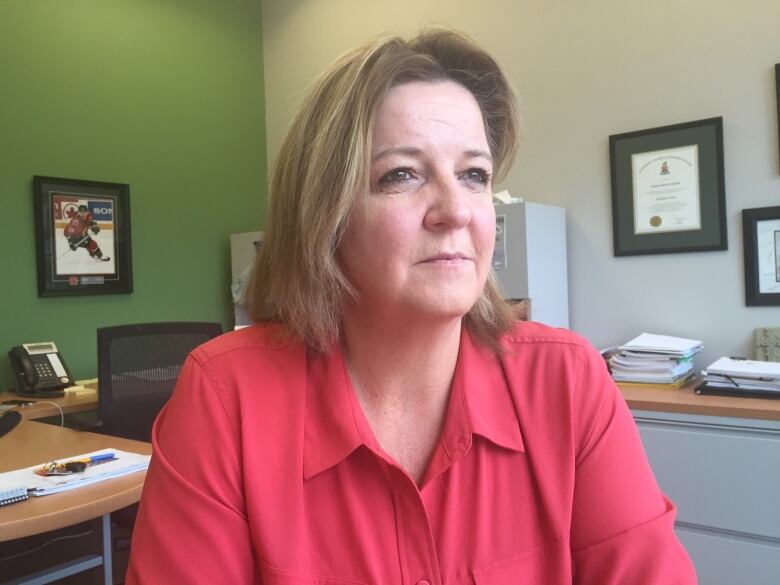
[[666, 190]]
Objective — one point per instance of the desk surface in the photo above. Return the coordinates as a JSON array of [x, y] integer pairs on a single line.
[[685, 400], [31, 443], [71, 402]]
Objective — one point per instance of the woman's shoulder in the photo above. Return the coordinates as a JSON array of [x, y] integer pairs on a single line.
[[256, 363], [262, 347], [532, 346], [263, 338], [552, 372], [532, 332]]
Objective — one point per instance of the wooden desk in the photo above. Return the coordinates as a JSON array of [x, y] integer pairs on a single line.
[[31, 443], [69, 403], [685, 400]]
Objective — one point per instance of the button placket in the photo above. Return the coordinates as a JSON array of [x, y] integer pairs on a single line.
[[420, 565]]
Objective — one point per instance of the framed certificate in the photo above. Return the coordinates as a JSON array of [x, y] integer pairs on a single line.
[[668, 189], [761, 230]]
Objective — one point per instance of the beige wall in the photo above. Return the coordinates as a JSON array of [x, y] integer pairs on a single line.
[[583, 71]]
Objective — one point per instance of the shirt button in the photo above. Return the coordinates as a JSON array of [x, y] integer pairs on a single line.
[[423, 582]]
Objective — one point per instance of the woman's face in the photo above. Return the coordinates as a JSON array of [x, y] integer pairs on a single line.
[[420, 242]]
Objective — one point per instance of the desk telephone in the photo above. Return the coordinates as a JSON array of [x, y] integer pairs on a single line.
[[39, 369]]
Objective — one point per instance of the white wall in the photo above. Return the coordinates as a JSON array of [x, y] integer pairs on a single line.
[[583, 71]]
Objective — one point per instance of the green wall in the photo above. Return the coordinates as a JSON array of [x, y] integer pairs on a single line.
[[165, 95]]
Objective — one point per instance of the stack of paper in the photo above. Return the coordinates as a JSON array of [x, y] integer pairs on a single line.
[[36, 484], [741, 377], [655, 359]]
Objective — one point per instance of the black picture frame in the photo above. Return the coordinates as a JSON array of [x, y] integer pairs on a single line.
[[761, 233], [777, 92], [669, 220], [82, 237]]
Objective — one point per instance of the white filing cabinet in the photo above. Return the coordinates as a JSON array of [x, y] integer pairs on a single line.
[[724, 475], [530, 258]]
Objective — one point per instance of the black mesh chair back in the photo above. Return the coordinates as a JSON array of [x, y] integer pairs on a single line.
[[137, 370]]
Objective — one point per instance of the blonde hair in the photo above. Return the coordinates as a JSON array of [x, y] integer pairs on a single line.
[[323, 164]]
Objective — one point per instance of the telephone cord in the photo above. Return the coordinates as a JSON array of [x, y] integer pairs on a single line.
[[62, 414]]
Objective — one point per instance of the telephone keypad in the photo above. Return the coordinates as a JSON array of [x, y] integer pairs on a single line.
[[44, 370]]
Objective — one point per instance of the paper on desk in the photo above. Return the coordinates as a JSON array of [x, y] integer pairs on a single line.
[[746, 368], [78, 389], [663, 343], [37, 485]]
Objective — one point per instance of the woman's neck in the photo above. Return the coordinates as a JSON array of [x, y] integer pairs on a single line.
[[402, 377], [413, 362]]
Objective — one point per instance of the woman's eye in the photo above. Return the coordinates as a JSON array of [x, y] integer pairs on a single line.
[[477, 176], [400, 175]]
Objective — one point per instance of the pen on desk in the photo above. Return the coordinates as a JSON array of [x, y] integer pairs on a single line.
[[74, 465], [94, 458]]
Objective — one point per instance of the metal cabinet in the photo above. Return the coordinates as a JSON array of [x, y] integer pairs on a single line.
[[529, 258], [724, 475]]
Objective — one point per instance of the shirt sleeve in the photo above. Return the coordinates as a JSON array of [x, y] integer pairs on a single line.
[[191, 525], [622, 525]]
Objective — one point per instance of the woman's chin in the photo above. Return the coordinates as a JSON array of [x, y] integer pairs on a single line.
[[442, 307]]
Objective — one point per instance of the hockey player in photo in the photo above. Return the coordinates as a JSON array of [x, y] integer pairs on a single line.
[[78, 235]]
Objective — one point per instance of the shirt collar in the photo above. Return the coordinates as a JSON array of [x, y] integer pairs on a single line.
[[486, 397], [335, 425], [331, 427]]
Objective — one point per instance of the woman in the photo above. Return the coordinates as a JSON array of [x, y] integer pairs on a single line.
[[387, 421]]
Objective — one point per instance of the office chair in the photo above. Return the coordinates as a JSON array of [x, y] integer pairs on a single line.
[[137, 370], [138, 366]]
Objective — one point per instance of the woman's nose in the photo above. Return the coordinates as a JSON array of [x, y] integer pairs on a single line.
[[449, 207]]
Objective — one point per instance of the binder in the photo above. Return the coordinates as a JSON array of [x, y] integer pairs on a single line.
[[739, 392], [11, 495]]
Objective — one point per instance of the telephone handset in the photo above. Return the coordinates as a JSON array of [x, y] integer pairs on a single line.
[[40, 370]]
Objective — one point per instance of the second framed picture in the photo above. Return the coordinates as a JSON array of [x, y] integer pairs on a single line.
[[761, 231], [668, 189], [82, 231], [777, 91]]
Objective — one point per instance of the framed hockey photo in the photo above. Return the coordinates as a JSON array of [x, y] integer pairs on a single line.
[[82, 235]]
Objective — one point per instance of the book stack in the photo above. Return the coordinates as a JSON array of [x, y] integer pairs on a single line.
[[651, 359], [741, 377]]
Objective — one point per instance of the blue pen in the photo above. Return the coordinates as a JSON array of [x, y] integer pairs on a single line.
[[95, 458]]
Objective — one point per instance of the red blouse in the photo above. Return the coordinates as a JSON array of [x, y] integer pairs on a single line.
[[265, 470]]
